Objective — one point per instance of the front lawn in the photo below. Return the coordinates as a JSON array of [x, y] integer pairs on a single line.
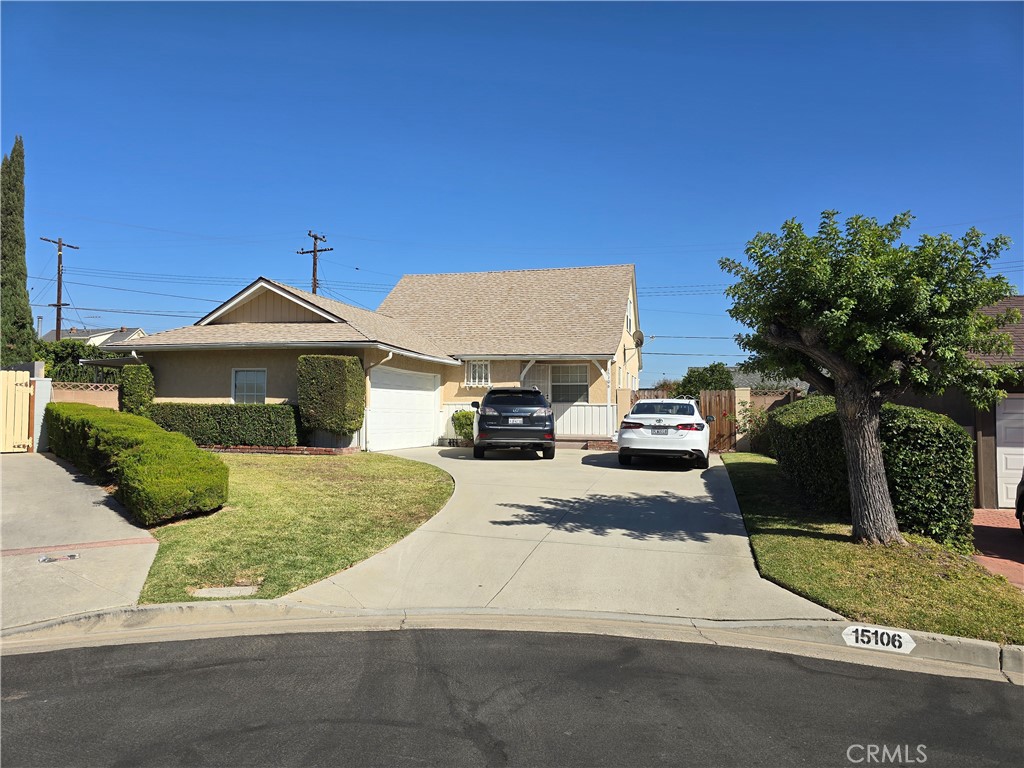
[[922, 586], [293, 520]]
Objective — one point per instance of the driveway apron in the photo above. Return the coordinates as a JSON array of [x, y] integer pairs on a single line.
[[577, 533], [68, 546]]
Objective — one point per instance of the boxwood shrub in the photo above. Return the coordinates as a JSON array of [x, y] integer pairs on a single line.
[[929, 464], [137, 389], [229, 424], [332, 393], [159, 475], [462, 421]]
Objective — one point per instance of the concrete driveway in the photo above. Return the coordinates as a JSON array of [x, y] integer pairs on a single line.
[[578, 533], [52, 511]]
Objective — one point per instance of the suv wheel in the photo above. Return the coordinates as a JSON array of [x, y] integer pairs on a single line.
[[549, 453], [478, 452]]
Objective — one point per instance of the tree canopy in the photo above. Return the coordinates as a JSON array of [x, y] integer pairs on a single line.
[[855, 302], [714, 376]]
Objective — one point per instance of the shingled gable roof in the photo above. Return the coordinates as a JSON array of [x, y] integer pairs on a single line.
[[577, 311], [1016, 331], [344, 325]]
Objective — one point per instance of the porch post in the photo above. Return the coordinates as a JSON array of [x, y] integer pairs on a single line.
[[522, 375], [606, 372]]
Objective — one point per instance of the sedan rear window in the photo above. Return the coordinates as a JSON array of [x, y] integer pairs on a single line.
[[516, 398], [665, 409]]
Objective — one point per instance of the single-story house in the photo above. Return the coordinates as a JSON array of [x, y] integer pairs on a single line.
[[98, 337], [998, 432], [435, 344]]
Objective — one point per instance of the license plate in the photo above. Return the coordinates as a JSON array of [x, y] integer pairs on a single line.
[[515, 419], [659, 430]]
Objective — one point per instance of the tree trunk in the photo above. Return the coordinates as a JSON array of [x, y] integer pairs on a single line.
[[874, 521]]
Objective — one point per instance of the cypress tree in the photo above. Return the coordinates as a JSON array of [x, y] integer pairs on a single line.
[[17, 337]]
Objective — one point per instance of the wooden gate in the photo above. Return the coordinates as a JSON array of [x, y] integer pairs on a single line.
[[720, 403], [17, 411]]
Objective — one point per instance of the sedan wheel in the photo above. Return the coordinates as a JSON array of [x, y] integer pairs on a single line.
[[701, 463], [625, 460]]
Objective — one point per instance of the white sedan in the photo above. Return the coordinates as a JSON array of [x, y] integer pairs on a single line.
[[669, 428]]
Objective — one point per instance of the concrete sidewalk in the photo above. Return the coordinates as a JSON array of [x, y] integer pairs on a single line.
[[52, 511], [579, 533]]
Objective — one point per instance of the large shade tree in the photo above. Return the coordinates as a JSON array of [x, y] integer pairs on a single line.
[[865, 317], [696, 380], [17, 337]]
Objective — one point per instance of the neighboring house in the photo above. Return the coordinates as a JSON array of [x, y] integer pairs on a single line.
[[998, 432], [98, 337], [757, 382], [436, 344]]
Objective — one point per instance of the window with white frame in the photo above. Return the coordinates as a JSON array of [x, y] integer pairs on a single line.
[[478, 373], [569, 384], [249, 385], [629, 316]]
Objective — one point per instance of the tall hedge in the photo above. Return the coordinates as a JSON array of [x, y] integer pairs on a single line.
[[929, 465], [229, 424], [159, 475], [137, 389], [332, 393]]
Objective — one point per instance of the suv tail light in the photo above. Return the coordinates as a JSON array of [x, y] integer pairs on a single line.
[[630, 425], [697, 427], [486, 410], [542, 412]]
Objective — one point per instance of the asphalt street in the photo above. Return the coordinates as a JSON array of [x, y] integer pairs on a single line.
[[471, 698]]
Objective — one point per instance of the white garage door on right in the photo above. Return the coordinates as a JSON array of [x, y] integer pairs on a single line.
[[1009, 447]]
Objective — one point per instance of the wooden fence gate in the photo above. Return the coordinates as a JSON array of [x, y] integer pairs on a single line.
[[17, 411], [720, 403]]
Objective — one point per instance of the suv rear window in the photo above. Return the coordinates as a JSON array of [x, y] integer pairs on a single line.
[[516, 398]]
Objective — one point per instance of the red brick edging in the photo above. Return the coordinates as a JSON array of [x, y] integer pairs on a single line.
[[288, 450]]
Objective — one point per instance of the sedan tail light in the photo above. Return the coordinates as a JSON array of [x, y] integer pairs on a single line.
[[486, 410], [698, 427], [630, 425]]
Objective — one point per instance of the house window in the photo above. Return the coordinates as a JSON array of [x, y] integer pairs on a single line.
[[629, 316], [249, 385], [569, 384], [478, 373]]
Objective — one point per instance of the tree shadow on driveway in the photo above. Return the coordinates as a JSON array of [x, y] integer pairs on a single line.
[[665, 517]]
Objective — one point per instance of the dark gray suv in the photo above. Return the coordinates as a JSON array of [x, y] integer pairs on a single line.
[[514, 417]]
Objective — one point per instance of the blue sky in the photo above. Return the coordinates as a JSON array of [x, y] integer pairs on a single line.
[[187, 148]]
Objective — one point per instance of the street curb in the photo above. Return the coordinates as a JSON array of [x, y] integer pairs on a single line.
[[933, 653]]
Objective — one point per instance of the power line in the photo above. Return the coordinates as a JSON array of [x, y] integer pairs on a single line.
[[695, 354], [128, 290], [130, 311], [662, 336]]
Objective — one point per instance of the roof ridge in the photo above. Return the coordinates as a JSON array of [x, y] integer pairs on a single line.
[[507, 271]]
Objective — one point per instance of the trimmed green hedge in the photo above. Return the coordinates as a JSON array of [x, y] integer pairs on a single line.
[[229, 424], [929, 464], [137, 389], [160, 475], [332, 393], [463, 423]]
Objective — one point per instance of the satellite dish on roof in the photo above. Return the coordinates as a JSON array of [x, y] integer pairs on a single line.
[[638, 338]]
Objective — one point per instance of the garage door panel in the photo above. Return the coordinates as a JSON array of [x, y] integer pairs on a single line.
[[403, 410], [1009, 447]]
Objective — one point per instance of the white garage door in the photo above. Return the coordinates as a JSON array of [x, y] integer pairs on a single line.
[[1009, 447], [403, 410]]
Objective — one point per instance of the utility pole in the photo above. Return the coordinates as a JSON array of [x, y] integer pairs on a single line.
[[61, 245], [317, 239]]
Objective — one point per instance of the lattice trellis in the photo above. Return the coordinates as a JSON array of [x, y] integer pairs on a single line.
[[85, 386]]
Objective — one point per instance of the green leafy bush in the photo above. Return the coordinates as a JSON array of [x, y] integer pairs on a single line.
[[137, 389], [332, 393], [61, 358], [929, 465], [229, 424], [159, 475], [463, 423]]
